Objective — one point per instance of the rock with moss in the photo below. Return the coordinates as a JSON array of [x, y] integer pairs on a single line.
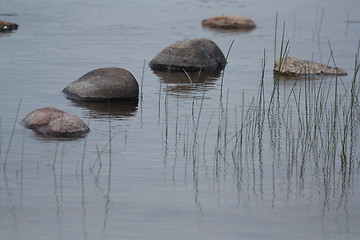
[[189, 55], [7, 26], [229, 22], [297, 67], [104, 84], [56, 123]]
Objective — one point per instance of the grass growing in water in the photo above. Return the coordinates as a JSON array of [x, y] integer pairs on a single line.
[[311, 131]]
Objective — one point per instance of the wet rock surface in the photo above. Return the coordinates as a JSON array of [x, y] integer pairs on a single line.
[[229, 22], [297, 67], [104, 84], [189, 55], [7, 26], [54, 122]]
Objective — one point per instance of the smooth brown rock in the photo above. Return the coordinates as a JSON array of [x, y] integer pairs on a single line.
[[191, 55], [104, 84], [294, 66], [7, 26], [54, 122], [229, 22]]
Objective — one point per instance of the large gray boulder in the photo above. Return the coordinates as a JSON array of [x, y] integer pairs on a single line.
[[297, 67], [104, 84], [7, 26], [229, 22], [54, 122], [191, 55]]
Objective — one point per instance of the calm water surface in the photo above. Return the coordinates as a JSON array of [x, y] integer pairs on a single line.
[[171, 166]]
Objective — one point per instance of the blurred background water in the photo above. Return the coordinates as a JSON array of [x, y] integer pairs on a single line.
[[149, 170]]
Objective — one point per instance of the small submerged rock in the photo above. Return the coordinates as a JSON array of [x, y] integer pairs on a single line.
[[54, 122], [189, 55], [298, 67], [7, 26], [104, 84], [229, 22]]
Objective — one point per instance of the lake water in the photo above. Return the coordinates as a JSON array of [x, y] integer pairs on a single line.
[[205, 160]]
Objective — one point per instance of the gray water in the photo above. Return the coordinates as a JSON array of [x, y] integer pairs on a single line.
[[157, 169]]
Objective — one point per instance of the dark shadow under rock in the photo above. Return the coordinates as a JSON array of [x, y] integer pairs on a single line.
[[228, 32], [188, 77], [186, 83], [118, 109]]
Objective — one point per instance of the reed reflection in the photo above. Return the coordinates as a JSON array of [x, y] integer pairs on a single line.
[[283, 145]]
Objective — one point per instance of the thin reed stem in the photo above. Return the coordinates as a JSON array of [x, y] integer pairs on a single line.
[[12, 134], [223, 73], [142, 82]]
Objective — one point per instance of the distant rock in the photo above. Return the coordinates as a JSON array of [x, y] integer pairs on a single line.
[[7, 26], [294, 66], [191, 55], [104, 84], [54, 122], [229, 22]]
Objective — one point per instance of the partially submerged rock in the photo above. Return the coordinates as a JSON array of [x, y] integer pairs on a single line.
[[229, 22], [54, 122], [104, 84], [297, 67], [7, 26], [191, 55]]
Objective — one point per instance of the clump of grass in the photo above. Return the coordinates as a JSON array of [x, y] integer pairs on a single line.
[[311, 129], [348, 133]]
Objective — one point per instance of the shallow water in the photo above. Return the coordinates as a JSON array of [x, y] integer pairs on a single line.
[[151, 170]]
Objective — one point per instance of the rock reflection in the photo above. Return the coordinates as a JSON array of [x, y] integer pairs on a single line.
[[187, 83], [47, 138], [230, 31], [116, 109], [293, 78]]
